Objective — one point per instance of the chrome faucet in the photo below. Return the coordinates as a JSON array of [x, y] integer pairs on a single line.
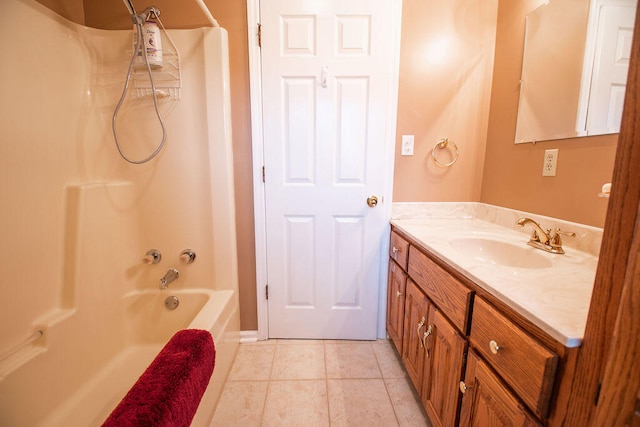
[[172, 274], [544, 240]]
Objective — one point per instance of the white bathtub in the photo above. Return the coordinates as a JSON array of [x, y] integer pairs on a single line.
[[148, 325]]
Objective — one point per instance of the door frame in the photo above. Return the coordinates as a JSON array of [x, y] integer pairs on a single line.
[[257, 145]]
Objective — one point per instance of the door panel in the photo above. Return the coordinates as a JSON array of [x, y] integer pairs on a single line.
[[326, 103]]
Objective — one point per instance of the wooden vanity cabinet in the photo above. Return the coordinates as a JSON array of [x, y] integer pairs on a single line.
[[487, 401], [452, 334]]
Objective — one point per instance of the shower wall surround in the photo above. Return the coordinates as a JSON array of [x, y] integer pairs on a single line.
[[76, 219]]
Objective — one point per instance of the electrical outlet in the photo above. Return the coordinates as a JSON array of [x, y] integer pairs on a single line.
[[407, 145], [550, 162]]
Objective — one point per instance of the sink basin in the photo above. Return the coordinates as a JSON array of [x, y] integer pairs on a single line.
[[501, 253]]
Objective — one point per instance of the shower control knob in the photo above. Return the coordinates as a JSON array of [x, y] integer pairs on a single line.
[[187, 256], [152, 256]]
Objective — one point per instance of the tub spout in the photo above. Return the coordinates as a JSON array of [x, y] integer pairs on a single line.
[[172, 274]]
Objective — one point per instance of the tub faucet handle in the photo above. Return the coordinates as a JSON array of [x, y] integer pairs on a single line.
[[172, 274], [187, 256], [152, 256]]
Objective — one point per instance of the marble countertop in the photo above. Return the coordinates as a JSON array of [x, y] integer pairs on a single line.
[[556, 297]]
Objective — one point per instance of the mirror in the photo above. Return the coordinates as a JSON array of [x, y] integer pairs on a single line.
[[574, 69]]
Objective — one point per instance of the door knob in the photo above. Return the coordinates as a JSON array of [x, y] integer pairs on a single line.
[[372, 201]]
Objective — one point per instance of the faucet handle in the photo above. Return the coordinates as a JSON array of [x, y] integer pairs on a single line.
[[152, 256], [556, 240], [565, 233], [187, 256], [536, 237]]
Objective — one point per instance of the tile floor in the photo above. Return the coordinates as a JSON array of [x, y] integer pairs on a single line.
[[318, 383]]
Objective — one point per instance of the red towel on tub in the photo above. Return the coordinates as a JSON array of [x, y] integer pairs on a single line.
[[169, 391]]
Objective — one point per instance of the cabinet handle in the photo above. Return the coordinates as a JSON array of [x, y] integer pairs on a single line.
[[494, 347], [463, 387], [424, 339], [420, 325], [395, 253], [398, 294]]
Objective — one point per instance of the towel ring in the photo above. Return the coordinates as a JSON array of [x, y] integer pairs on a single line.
[[442, 144]]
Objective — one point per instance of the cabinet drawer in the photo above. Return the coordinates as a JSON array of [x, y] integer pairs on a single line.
[[451, 296], [399, 250], [525, 364]]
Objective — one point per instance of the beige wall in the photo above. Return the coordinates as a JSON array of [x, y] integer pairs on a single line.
[[446, 59], [439, 96], [513, 173]]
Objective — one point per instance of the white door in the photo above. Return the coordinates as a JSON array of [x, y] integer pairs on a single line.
[[611, 63], [326, 79]]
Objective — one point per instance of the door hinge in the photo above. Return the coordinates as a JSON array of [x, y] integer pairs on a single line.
[[266, 291], [259, 35], [597, 397], [263, 175]]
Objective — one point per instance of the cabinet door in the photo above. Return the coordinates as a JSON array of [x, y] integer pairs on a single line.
[[416, 314], [444, 359], [487, 402], [395, 304]]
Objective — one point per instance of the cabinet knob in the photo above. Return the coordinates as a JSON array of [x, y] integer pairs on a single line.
[[398, 294], [494, 347], [463, 387]]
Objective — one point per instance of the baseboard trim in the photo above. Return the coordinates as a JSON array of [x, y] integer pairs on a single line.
[[248, 336]]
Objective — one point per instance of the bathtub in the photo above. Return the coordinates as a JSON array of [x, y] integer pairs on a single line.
[[148, 325]]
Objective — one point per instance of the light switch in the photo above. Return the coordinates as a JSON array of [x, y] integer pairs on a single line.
[[407, 145]]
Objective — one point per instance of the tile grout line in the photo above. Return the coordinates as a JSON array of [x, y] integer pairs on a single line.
[[326, 379], [384, 381], [266, 394]]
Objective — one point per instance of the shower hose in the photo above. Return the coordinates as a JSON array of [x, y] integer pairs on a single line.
[[138, 20]]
